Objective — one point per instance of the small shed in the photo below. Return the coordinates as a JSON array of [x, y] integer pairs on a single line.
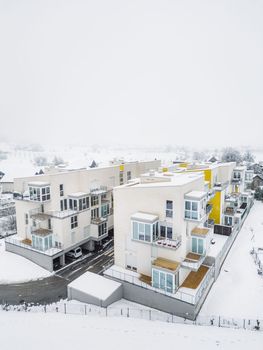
[[94, 289]]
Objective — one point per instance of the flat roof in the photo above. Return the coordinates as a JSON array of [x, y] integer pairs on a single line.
[[95, 285], [146, 217], [166, 264], [196, 194], [159, 179], [200, 231], [78, 194]]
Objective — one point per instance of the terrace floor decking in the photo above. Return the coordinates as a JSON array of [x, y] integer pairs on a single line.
[[194, 279]]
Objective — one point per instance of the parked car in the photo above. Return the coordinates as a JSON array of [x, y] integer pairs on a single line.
[[74, 253]]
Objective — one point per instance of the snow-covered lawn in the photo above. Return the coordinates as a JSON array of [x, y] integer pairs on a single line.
[[14, 268], [67, 332], [238, 291]]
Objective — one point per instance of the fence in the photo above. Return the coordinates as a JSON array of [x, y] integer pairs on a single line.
[[137, 313]]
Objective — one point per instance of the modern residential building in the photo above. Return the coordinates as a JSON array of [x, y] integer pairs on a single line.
[[64, 209], [165, 251]]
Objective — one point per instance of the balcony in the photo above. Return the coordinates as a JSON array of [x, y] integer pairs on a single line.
[[26, 244], [40, 231], [99, 190], [38, 215], [168, 243], [230, 211], [98, 221], [193, 261]]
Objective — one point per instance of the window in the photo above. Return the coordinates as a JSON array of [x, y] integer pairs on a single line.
[[40, 194], [95, 213], [26, 219], [163, 280], [198, 246], [73, 204], [61, 190], [169, 232], [103, 229], [94, 200], [121, 178], [42, 243], [228, 220], [169, 209], [145, 232], [166, 232], [191, 210], [129, 176], [105, 210], [74, 221]]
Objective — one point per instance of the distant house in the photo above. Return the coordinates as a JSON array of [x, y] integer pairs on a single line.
[[213, 159], [5, 185], [257, 181]]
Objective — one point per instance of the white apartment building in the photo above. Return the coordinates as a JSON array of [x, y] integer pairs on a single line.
[[161, 233], [63, 209], [164, 234]]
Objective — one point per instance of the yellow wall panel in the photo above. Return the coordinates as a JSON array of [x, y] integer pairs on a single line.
[[216, 208]]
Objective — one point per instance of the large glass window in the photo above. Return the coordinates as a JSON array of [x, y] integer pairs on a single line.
[[105, 209], [144, 231], [94, 200], [163, 280], [191, 210], [41, 243], [103, 229], [198, 245], [40, 194]]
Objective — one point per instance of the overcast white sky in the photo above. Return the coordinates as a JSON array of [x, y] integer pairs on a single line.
[[132, 72]]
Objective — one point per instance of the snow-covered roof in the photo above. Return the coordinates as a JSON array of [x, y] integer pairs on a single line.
[[144, 217], [196, 194], [78, 194], [95, 285]]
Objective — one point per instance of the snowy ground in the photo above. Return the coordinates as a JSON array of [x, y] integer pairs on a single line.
[[15, 268], [238, 290], [72, 332]]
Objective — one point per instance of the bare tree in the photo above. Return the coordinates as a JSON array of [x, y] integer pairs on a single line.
[[248, 157], [231, 155]]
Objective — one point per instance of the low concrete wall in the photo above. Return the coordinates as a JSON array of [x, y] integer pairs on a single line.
[[75, 294], [40, 259], [157, 300]]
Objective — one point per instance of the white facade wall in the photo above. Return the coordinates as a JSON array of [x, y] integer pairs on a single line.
[[151, 199], [73, 181]]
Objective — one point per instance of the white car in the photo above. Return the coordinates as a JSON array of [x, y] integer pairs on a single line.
[[75, 253]]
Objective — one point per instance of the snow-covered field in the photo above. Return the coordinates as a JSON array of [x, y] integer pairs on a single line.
[[55, 331], [15, 268], [238, 291]]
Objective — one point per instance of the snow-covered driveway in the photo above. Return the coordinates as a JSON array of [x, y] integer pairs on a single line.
[[238, 291]]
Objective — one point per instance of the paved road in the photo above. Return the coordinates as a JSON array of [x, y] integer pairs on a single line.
[[54, 288]]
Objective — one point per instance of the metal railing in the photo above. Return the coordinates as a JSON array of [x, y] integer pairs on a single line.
[[50, 252], [175, 293]]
